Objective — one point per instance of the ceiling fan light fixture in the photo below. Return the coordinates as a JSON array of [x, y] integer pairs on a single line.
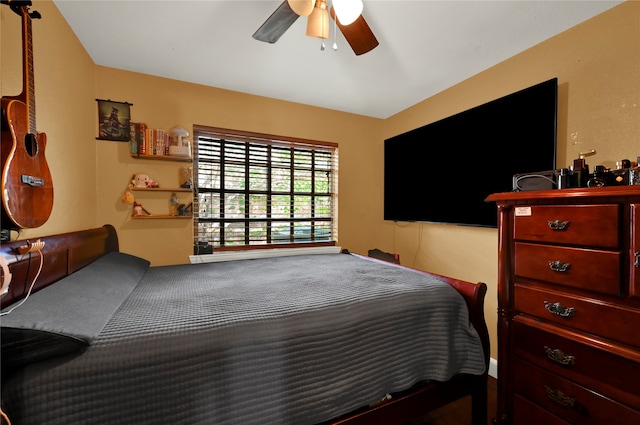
[[302, 7], [348, 11], [318, 20]]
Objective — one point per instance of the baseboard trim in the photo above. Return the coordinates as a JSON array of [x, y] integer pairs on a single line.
[[493, 368]]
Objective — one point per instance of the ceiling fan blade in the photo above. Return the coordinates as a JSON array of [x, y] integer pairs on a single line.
[[276, 24], [358, 34]]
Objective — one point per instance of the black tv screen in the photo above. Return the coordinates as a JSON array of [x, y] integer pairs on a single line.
[[442, 172]]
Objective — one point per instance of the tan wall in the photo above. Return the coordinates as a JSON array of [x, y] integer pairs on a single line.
[[164, 103], [597, 64]]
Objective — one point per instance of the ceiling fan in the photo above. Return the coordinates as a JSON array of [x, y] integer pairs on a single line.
[[346, 13]]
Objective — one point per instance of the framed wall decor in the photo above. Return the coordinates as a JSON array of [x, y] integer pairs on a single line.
[[113, 120]]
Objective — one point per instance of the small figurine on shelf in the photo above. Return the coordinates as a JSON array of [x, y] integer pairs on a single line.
[[185, 210], [138, 210], [140, 180], [128, 197], [173, 204], [179, 146], [144, 181], [186, 181]]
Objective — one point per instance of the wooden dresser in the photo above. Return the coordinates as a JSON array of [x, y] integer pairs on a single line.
[[569, 306]]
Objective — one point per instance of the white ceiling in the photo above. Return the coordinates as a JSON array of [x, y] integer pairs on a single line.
[[425, 46]]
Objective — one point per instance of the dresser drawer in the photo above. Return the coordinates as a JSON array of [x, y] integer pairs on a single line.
[[591, 225], [559, 352], [527, 413], [589, 269], [588, 314], [568, 400], [634, 254]]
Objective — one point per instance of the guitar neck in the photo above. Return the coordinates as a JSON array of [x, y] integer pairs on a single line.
[[28, 95], [28, 85]]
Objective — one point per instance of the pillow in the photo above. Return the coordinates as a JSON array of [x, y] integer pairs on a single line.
[[68, 316]]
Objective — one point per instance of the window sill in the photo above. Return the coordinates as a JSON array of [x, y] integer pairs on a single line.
[[261, 253]]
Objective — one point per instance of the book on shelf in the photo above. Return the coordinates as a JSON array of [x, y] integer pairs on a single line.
[[133, 138], [141, 129], [148, 141], [156, 142]]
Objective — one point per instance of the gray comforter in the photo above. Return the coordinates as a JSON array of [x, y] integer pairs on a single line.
[[289, 340]]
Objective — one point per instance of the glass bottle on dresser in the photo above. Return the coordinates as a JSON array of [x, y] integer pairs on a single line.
[[634, 172], [621, 175], [599, 178]]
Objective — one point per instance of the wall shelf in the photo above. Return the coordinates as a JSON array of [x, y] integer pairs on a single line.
[[163, 216], [161, 189], [175, 190], [163, 157]]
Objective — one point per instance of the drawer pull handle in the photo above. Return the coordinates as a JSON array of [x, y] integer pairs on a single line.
[[558, 224], [559, 310], [558, 356], [559, 397], [559, 266], [637, 255]]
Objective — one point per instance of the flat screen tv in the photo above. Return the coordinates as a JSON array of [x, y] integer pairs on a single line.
[[442, 172]]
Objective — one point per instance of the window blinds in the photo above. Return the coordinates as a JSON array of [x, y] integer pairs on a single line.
[[257, 190]]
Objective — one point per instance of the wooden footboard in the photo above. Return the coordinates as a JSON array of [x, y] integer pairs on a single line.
[[66, 253], [413, 404]]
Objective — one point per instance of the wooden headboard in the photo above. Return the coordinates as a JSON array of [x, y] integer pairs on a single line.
[[63, 254]]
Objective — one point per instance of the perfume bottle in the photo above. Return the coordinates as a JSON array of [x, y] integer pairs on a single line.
[[599, 178], [620, 176], [563, 178], [634, 173], [579, 173]]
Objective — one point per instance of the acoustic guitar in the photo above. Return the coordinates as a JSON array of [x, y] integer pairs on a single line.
[[27, 188]]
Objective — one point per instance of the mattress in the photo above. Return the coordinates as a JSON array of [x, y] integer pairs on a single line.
[[288, 340]]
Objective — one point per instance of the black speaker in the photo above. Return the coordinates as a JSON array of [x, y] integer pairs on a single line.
[[201, 247], [543, 180]]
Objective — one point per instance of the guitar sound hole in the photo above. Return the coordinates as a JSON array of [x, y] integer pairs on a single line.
[[31, 144]]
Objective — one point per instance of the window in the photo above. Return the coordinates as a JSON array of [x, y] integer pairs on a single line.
[[255, 190]]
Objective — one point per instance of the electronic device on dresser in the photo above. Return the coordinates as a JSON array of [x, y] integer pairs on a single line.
[[569, 306]]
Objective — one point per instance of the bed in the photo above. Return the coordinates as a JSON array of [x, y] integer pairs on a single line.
[[308, 339]]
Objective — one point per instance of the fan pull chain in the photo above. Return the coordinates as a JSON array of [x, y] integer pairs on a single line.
[[322, 27], [322, 39], [335, 34]]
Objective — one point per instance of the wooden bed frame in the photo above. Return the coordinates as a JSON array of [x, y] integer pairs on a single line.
[[66, 253]]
